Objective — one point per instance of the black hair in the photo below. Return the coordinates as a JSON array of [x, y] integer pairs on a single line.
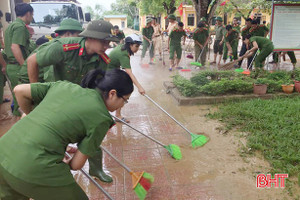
[[41, 40], [248, 20], [116, 27], [180, 24], [236, 18], [126, 46], [254, 21], [228, 27], [264, 22], [22, 8], [200, 25], [247, 37], [114, 79], [60, 33], [1, 14]]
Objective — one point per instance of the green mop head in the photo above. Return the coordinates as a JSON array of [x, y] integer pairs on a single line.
[[174, 150], [143, 185], [199, 140], [196, 63]]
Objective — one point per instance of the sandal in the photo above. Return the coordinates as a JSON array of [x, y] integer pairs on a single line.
[[6, 100], [123, 119]]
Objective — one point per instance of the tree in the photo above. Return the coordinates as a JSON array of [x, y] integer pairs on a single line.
[[158, 7], [205, 8], [96, 12]]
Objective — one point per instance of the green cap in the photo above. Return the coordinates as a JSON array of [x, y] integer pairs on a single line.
[[99, 29], [172, 16], [69, 25], [148, 20], [203, 19], [219, 19]]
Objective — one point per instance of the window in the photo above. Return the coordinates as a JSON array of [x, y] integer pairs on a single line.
[[191, 20], [123, 24]]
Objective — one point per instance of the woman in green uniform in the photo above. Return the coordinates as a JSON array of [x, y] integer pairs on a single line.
[[37, 169], [120, 57]]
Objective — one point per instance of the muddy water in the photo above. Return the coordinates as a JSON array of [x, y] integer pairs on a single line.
[[215, 171]]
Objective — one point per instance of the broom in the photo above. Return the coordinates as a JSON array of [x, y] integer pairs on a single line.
[[93, 181], [197, 140], [141, 181], [197, 63], [173, 149]]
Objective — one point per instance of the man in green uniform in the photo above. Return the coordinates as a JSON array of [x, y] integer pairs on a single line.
[[200, 36], [147, 40], [231, 39], [120, 34], [17, 44], [204, 21], [244, 33], [174, 45], [291, 55], [68, 28], [236, 25], [258, 30], [219, 39], [72, 58], [264, 45]]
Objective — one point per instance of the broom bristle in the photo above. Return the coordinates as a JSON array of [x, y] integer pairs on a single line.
[[144, 185], [196, 63], [140, 191], [199, 140], [175, 151]]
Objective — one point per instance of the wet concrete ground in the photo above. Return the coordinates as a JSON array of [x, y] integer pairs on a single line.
[[215, 171]]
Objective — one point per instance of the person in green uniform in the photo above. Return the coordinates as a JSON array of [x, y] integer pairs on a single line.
[[120, 58], [231, 39], [2, 82], [120, 34], [203, 20], [17, 41], [219, 39], [200, 36], [68, 28], [174, 45], [72, 58], [40, 171], [244, 32], [291, 55], [258, 30], [1, 32], [264, 45], [235, 25], [147, 40]]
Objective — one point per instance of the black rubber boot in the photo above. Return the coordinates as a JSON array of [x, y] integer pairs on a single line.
[[96, 169]]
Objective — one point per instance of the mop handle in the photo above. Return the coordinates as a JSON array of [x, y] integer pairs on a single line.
[[9, 83], [91, 179], [206, 42], [253, 58], [120, 163], [154, 140], [167, 113]]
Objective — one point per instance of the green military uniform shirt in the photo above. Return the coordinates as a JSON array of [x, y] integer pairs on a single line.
[[175, 36], [259, 30], [245, 31], [262, 42], [220, 32], [120, 35], [69, 59], [119, 58], [17, 33], [237, 28], [200, 36], [148, 32], [33, 149], [232, 37]]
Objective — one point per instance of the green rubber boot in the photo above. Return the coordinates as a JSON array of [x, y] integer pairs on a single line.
[[96, 169]]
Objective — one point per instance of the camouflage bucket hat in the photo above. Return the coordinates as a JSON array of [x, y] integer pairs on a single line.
[[69, 25], [171, 16], [219, 19], [203, 19], [99, 29]]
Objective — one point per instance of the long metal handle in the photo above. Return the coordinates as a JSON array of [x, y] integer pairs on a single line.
[[167, 114], [122, 164], [253, 58], [91, 179], [206, 42], [9, 83], [151, 138]]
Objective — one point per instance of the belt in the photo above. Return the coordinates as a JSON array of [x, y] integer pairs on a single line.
[[13, 62], [156, 35]]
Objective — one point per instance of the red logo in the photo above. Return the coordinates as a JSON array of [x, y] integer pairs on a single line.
[[263, 181]]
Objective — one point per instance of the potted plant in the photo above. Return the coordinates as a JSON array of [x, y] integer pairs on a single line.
[[297, 80], [260, 86], [288, 86]]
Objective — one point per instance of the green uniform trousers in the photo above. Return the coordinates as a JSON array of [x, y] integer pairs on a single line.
[[2, 84], [12, 188], [197, 54], [147, 45], [291, 55], [234, 46], [177, 50], [12, 71], [264, 53]]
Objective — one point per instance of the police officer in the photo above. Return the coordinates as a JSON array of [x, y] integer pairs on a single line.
[[258, 30], [244, 33], [200, 36], [72, 58], [68, 28], [147, 40], [231, 39], [120, 34], [219, 39], [120, 58], [17, 44]]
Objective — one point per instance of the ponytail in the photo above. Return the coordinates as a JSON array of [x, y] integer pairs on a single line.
[[106, 81]]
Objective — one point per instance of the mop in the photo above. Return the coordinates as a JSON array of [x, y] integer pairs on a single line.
[[93, 181], [163, 51], [197, 62], [141, 181], [197, 140], [173, 149]]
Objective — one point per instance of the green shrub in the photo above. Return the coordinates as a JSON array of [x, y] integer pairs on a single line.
[[278, 75], [200, 80], [186, 87]]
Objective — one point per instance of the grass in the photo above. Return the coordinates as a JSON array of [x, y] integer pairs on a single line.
[[273, 127]]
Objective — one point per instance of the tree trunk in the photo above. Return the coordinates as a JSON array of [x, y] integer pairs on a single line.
[[169, 8], [202, 6]]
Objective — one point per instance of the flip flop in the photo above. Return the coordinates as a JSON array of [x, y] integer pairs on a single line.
[[6, 100], [124, 119]]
